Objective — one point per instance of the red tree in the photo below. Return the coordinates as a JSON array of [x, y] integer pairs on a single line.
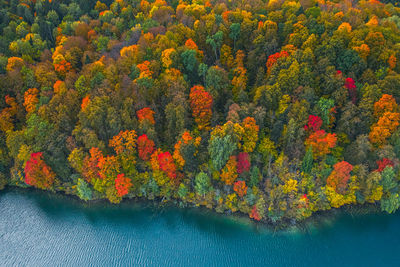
[[37, 173], [201, 103], [339, 176], [166, 163], [243, 162], [351, 86], [272, 59], [145, 147], [314, 123], [122, 184], [383, 163], [254, 214]]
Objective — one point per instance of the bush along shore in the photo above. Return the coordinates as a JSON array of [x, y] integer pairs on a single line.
[[277, 110]]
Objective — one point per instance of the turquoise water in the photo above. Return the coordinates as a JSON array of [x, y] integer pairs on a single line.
[[41, 229]]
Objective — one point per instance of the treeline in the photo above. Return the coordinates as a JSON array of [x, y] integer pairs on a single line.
[[276, 109]]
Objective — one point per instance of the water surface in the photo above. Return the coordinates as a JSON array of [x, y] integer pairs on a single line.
[[42, 229]]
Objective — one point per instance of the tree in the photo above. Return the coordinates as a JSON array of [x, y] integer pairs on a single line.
[[90, 169], [122, 184], [383, 163], [325, 106], [386, 103], [390, 204], [14, 63], [308, 161], [250, 134], [145, 147], [229, 172], [31, 100], [272, 59], [235, 33], [183, 142], [254, 214], [190, 63], [321, 143], [240, 188], [314, 123], [124, 145], [220, 149], [243, 163], [37, 173], [352, 88], [384, 128], [84, 191], [167, 164], [7, 114], [145, 115], [215, 41], [201, 103], [202, 183], [339, 177]]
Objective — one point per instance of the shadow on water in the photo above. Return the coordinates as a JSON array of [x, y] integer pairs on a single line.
[[140, 214], [161, 235], [143, 216]]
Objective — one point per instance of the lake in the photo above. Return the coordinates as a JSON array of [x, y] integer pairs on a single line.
[[43, 229]]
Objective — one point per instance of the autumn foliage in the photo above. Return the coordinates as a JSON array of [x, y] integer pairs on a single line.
[[85, 102], [254, 214], [386, 112], [124, 142], [184, 140], [191, 44], [272, 59], [240, 188], [146, 115], [229, 172], [145, 147], [314, 123], [122, 185], [201, 103], [243, 162], [351, 87], [166, 163], [31, 99], [14, 63], [38, 173], [7, 114], [383, 163], [250, 134], [386, 103], [91, 169], [384, 128], [258, 107], [321, 142], [339, 177]]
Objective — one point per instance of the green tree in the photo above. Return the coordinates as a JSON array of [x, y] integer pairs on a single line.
[[84, 191], [235, 33], [203, 183], [215, 41], [308, 161], [220, 149]]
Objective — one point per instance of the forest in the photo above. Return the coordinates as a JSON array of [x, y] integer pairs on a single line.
[[273, 109]]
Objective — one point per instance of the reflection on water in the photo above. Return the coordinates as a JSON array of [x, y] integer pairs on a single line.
[[43, 229]]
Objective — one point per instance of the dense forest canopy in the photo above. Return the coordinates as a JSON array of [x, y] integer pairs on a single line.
[[276, 109]]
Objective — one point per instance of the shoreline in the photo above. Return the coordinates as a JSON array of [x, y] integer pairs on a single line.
[[319, 217]]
